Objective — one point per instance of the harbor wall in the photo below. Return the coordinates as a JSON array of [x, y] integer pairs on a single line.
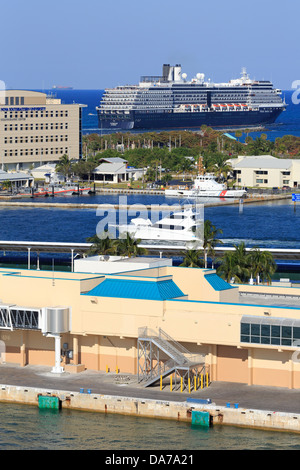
[[15, 201], [159, 409]]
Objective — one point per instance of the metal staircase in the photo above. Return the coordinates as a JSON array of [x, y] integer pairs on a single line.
[[159, 356]]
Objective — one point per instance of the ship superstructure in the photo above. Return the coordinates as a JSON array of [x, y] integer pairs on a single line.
[[171, 101]]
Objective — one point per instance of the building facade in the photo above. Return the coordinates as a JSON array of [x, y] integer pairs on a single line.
[[266, 171], [37, 129], [115, 170], [241, 340]]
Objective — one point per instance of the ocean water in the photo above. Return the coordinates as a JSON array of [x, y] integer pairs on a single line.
[[29, 428], [271, 224]]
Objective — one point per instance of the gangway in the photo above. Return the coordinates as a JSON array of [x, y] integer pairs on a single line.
[[159, 356], [13, 317], [50, 321]]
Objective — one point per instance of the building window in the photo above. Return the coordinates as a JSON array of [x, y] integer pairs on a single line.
[[275, 331]]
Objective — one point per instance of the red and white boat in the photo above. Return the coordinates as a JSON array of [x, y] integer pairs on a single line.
[[207, 186], [64, 189]]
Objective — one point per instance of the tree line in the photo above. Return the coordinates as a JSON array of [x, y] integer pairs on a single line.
[[177, 152], [238, 265]]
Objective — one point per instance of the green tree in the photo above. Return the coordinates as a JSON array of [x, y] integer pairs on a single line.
[[192, 259], [64, 166], [235, 265], [240, 265], [103, 245], [128, 246], [84, 169], [227, 267], [238, 134], [210, 240], [7, 184], [261, 264], [222, 166]]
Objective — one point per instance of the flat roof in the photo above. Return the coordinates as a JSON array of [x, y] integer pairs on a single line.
[[270, 300]]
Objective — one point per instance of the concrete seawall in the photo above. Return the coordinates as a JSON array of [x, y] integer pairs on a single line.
[[71, 205], [159, 409]]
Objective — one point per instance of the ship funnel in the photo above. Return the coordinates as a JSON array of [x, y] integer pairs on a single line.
[[172, 73], [177, 73]]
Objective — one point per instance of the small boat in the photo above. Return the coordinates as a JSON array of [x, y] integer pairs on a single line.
[[185, 225], [56, 190], [207, 186]]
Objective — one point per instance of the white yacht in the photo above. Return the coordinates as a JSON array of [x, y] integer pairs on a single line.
[[206, 186], [180, 226]]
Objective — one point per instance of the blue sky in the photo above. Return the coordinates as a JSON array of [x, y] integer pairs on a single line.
[[95, 44]]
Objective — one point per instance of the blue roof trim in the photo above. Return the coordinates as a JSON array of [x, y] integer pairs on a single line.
[[133, 289], [217, 282]]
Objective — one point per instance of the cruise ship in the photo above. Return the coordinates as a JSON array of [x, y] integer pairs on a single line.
[[171, 101]]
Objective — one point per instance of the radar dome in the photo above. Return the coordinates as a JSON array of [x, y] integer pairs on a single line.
[[200, 76], [184, 76]]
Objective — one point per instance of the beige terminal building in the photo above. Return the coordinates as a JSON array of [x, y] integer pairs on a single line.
[[123, 320], [37, 129]]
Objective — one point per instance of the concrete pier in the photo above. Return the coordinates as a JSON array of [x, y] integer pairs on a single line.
[[149, 408], [232, 404]]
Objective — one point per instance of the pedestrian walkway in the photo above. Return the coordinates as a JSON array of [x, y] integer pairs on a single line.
[[254, 397]]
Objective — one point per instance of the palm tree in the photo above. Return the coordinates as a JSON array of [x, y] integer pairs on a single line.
[[64, 166], [222, 166], [234, 264], [102, 245], [261, 264], [227, 268], [128, 246], [210, 239], [192, 259], [240, 265]]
